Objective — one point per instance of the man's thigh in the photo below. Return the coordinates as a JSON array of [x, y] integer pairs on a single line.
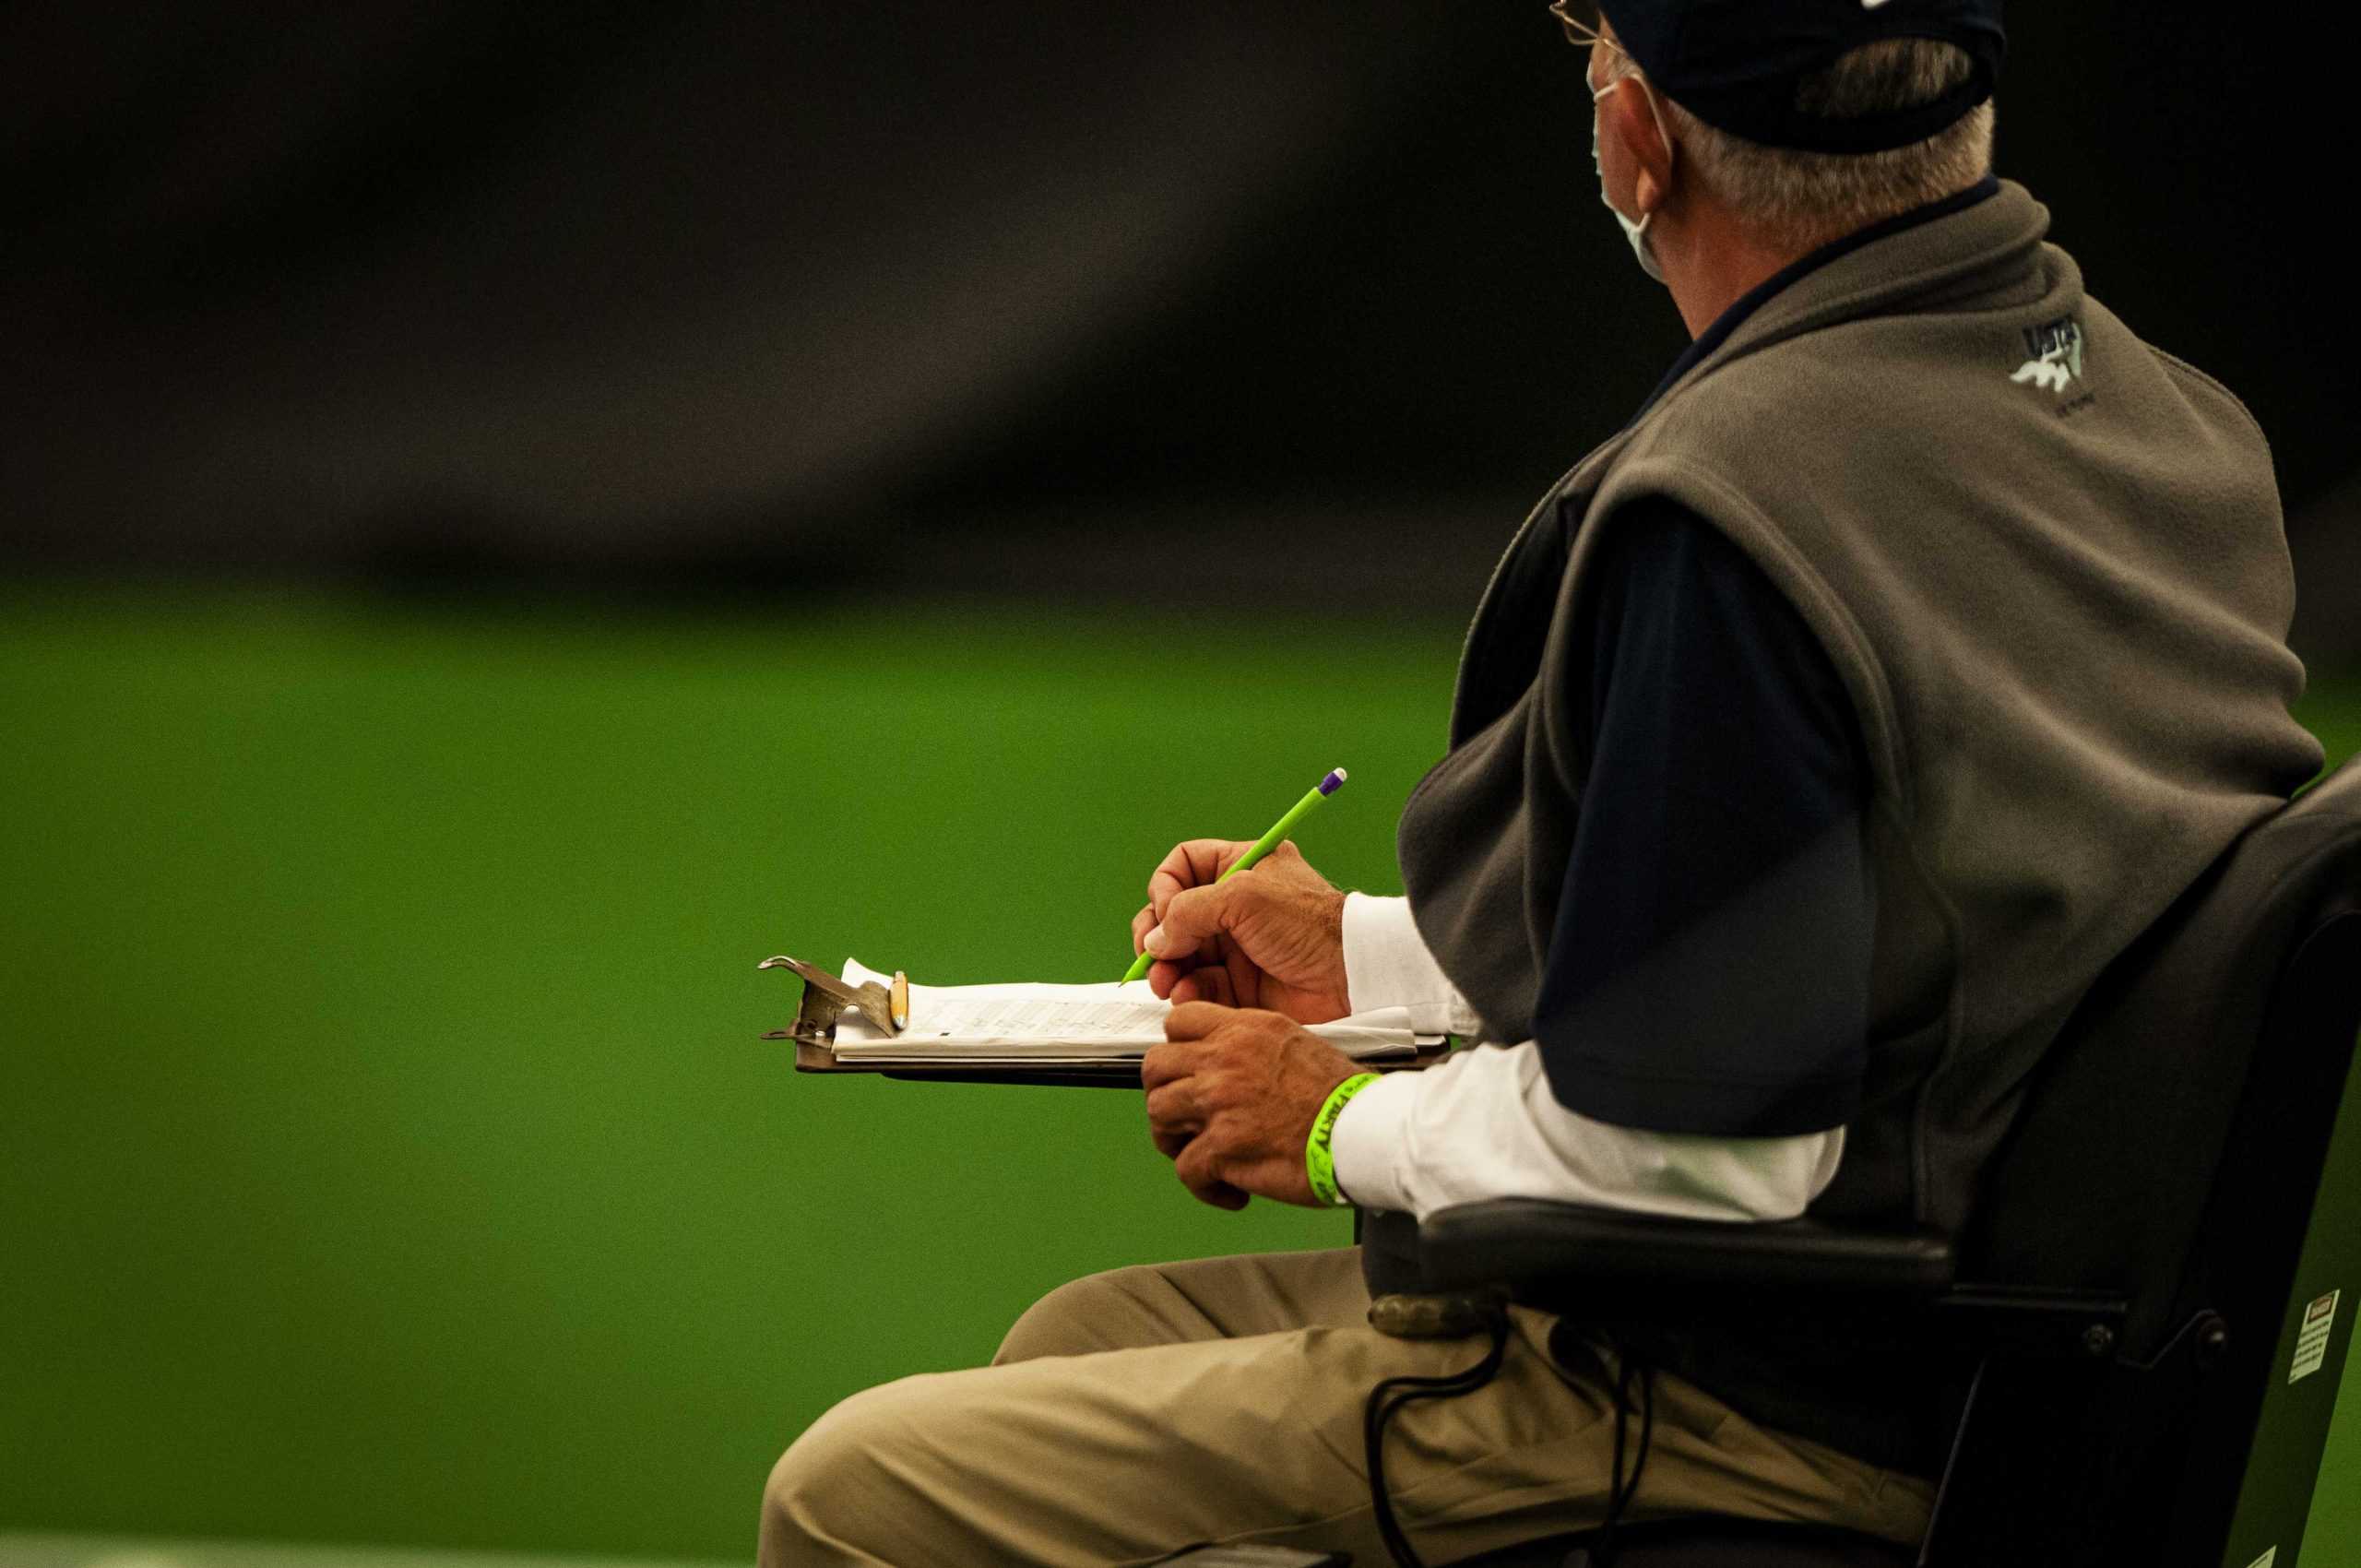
[[1171, 1303], [1120, 1457]]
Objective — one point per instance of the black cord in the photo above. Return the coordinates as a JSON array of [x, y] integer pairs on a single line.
[[1619, 1491], [1389, 1398]]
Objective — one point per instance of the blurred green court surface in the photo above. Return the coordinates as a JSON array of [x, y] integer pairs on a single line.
[[386, 1153]]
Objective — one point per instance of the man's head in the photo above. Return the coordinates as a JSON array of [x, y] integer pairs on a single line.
[[1768, 129]]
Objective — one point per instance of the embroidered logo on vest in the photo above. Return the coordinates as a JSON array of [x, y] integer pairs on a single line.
[[2053, 355]]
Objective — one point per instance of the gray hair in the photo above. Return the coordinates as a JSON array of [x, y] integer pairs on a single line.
[[1809, 198]]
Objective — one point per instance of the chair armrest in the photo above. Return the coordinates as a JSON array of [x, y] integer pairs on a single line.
[[1535, 1247]]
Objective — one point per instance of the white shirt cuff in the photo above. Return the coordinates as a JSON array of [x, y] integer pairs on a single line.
[[1387, 965], [1367, 1141]]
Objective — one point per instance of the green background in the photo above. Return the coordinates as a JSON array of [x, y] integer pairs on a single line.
[[386, 1152]]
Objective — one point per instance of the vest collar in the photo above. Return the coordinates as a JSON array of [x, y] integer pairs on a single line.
[[1718, 333], [1972, 239]]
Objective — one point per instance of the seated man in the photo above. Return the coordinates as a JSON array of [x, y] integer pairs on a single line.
[[1820, 738]]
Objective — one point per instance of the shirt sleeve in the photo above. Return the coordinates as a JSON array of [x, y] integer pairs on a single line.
[[1709, 972], [1485, 1123], [1387, 965]]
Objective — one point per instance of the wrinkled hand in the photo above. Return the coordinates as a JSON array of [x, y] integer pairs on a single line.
[[1272, 936], [1231, 1095]]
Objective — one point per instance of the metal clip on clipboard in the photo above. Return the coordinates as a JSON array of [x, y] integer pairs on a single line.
[[827, 998]]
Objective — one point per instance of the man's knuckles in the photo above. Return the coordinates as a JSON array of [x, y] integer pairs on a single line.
[[1195, 913], [1252, 1033], [1191, 915]]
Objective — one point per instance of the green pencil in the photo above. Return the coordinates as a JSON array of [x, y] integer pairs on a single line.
[[1263, 846]]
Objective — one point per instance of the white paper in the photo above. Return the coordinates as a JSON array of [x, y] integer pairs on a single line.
[[1110, 1021]]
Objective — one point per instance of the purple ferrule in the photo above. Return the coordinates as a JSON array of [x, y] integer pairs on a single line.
[[1334, 782]]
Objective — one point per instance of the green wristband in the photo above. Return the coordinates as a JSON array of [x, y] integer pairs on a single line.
[[1318, 1163]]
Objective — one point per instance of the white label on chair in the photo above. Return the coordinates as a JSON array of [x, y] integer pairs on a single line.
[[2266, 1560], [2311, 1339]]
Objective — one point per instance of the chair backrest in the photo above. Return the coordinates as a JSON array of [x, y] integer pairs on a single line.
[[2171, 1149]]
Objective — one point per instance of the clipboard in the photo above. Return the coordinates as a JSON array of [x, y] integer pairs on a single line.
[[826, 998]]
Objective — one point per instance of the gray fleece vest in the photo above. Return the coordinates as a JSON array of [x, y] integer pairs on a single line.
[[2046, 559]]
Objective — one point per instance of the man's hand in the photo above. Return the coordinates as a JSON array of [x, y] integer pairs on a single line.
[[1272, 936], [1231, 1096]]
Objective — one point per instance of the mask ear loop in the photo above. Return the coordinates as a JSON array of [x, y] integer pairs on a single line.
[[1671, 147]]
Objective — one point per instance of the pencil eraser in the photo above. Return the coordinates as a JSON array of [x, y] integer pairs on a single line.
[[1334, 782]]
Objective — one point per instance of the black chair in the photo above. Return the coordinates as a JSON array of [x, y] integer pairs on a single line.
[[2180, 1193]]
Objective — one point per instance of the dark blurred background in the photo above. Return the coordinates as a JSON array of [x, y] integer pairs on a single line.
[[509, 514], [963, 293]]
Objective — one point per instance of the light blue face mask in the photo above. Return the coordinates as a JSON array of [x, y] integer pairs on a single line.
[[1637, 234]]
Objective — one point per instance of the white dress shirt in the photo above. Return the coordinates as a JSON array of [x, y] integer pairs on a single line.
[[1485, 1124]]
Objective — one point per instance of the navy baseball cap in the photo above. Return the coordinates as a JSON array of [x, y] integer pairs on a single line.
[[1735, 63]]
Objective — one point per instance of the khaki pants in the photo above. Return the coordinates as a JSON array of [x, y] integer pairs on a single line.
[[1135, 1412]]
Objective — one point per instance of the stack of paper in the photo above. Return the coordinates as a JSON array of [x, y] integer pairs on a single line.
[[986, 1024]]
